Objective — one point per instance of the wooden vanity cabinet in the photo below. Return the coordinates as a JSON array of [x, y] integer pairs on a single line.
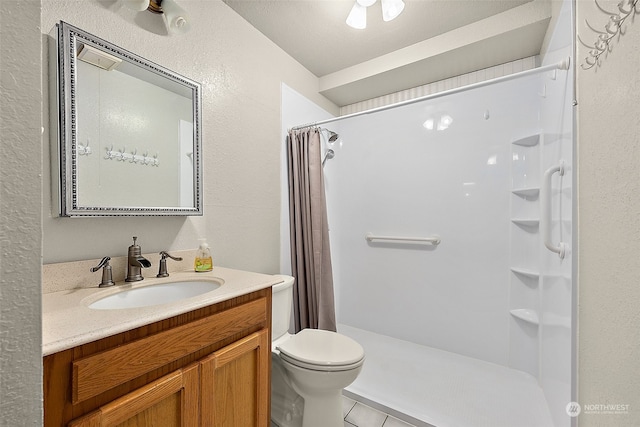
[[169, 401], [209, 367]]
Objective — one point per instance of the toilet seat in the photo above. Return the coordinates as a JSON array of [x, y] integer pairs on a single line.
[[320, 368], [277, 342], [320, 350]]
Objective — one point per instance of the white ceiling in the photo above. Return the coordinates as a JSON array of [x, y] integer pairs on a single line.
[[431, 40]]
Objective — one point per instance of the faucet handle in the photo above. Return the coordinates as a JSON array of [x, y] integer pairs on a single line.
[[166, 254], [162, 271], [107, 278]]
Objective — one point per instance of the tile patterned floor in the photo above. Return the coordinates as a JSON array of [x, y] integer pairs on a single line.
[[357, 414], [360, 415]]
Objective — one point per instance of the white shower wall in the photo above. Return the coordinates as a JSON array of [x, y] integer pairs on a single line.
[[467, 183], [558, 290], [393, 176]]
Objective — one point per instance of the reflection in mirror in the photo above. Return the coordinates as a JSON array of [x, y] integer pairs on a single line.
[[129, 136]]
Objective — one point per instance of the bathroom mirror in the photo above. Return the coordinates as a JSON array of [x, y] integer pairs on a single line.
[[126, 130]]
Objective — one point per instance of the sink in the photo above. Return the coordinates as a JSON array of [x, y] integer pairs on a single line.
[[162, 293]]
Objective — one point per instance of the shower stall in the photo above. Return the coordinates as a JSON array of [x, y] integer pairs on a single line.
[[446, 221]]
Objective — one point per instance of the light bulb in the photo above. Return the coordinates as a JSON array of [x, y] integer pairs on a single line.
[[391, 9], [175, 17], [357, 17]]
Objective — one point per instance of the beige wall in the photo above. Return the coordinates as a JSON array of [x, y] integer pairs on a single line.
[[20, 213], [240, 71], [609, 223]]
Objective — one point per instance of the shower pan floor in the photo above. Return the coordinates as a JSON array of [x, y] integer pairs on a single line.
[[429, 387]]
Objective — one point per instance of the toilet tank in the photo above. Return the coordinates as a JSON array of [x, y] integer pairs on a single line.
[[282, 305]]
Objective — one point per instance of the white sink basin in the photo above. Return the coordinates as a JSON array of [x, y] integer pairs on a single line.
[[154, 295]]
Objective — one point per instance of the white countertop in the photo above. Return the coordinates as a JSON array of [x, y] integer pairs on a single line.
[[67, 320]]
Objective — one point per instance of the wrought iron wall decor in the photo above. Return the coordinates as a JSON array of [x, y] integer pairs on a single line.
[[613, 27]]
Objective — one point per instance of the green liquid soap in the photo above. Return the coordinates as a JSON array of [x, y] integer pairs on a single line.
[[203, 264], [203, 261]]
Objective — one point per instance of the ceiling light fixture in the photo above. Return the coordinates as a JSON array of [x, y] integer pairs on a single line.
[[391, 9], [175, 18], [358, 16]]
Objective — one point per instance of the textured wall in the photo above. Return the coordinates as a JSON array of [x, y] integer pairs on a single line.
[[609, 220], [241, 72], [20, 213]]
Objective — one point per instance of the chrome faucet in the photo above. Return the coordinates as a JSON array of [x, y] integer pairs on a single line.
[[135, 263]]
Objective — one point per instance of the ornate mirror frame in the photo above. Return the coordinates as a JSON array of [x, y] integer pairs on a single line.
[[64, 113]]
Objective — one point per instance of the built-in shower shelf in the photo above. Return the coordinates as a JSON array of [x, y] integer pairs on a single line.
[[526, 222], [526, 315], [526, 273], [529, 141], [526, 192]]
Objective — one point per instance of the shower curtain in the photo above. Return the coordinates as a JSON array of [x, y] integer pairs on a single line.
[[313, 303]]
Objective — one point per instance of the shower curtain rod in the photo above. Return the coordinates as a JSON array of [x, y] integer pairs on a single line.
[[562, 65]]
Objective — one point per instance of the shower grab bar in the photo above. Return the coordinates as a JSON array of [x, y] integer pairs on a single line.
[[434, 240], [545, 207]]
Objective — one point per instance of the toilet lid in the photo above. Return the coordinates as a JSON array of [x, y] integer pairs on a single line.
[[322, 348]]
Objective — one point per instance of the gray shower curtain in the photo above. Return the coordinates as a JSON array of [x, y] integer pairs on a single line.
[[313, 302]]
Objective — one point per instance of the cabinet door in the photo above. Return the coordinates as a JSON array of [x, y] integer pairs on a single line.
[[234, 384], [169, 401]]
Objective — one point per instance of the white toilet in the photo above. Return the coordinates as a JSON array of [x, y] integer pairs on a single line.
[[309, 369]]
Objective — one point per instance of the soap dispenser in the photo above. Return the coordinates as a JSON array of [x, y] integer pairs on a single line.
[[203, 261]]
